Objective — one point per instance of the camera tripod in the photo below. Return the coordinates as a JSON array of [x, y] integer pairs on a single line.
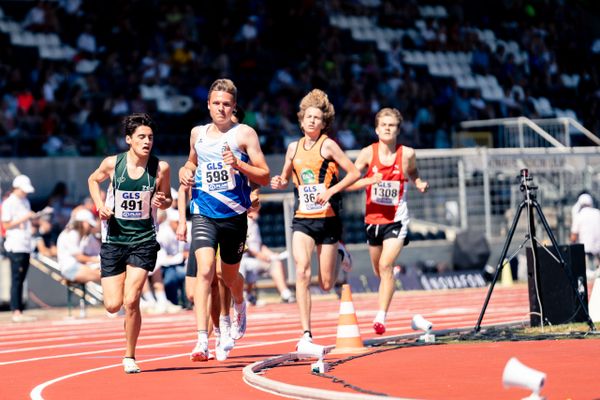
[[529, 202]]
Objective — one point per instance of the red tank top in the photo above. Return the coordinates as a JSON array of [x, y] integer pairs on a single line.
[[385, 198]]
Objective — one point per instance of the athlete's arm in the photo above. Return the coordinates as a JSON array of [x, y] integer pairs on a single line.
[[331, 150], [181, 207], [412, 171], [280, 182], [162, 197], [186, 173], [362, 162], [102, 173], [257, 169]]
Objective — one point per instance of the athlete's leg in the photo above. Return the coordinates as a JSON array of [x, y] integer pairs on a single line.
[[205, 260], [134, 281], [112, 292], [382, 259], [390, 251], [328, 254], [190, 284], [234, 281], [302, 247]]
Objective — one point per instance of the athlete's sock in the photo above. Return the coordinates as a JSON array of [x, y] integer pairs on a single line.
[[239, 307], [380, 317], [224, 322], [202, 336]]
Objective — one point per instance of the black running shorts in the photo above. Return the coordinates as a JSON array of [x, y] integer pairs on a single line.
[[226, 234], [115, 257], [376, 234], [322, 230]]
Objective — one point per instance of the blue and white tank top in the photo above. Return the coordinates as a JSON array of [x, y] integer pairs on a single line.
[[219, 191]]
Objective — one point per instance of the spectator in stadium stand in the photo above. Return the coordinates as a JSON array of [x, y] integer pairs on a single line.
[[543, 60], [313, 162], [139, 185], [586, 229], [389, 165], [16, 220]]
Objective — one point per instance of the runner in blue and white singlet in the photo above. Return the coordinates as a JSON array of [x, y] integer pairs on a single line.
[[219, 191], [224, 157]]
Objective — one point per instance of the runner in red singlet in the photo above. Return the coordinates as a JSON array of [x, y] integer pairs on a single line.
[[389, 165]]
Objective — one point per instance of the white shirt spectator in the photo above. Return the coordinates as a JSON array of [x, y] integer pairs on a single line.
[[18, 239], [586, 225], [171, 249], [68, 245]]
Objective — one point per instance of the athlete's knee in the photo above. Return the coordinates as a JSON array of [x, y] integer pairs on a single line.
[[384, 269], [190, 297], [303, 273], [131, 302], [112, 306], [326, 284]]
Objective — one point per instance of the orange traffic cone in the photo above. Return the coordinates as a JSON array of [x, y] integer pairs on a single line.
[[348, 335]]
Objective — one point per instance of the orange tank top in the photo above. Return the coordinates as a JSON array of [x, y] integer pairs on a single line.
[[313, 174], [385, 200]]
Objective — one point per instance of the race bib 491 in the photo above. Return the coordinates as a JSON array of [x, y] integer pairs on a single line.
[[131, 204]]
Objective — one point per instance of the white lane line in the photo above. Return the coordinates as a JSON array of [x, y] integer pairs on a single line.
[[36, 393]]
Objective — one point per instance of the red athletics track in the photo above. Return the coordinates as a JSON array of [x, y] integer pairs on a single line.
[[58, 358]]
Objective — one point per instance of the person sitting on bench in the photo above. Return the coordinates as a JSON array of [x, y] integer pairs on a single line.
[[76, 265]]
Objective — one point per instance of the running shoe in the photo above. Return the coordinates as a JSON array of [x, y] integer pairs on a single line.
[[130, 366], [223, 345], [238, 325], [305, 338], [379, 328], [200, 352]]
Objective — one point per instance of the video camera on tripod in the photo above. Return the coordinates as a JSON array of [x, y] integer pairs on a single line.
[[531, 206], [526, 182]]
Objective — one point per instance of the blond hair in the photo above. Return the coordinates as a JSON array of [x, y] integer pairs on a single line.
[[388, 112], [223, 85], [318, 99]]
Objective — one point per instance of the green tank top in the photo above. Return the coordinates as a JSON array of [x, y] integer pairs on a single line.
[[134, 217]]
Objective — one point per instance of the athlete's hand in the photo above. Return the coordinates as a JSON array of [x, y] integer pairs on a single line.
[[228, 157], [376, 178], [181, 231], [278, 182], [255, 199], [186, 177], [323, 198], [159, 200], [105, 212], [422, 186]]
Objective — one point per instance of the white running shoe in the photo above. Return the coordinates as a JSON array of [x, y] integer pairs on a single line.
[[238, 325], [305, 338], [200, 352], [222, 350], [226, 341], [130, 366]]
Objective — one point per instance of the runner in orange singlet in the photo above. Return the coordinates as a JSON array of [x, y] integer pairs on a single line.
[[313, 161]]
